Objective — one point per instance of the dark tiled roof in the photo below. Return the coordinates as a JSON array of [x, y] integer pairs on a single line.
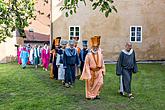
[[34, 36]]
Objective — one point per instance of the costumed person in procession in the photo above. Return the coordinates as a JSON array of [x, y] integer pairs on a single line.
[[28, 48], [71, 60], [31, 56], [24, 57], [94, 70], [59, 61], [45, 57], [36, 56], [40, 59], [77, 69], [77, 47], [53, 58], [83, 54], [126, 65], [20, 48]]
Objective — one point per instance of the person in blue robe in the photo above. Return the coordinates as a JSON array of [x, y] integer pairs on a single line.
[[70, 60], [83, 54], [24, 57]]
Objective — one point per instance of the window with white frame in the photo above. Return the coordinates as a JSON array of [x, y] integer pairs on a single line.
[[74, 32], [136, 34]]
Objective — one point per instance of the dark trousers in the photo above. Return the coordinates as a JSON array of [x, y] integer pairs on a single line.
[[70, 74]]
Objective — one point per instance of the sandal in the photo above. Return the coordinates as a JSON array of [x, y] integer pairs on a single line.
[[67, 85], [131, 96]]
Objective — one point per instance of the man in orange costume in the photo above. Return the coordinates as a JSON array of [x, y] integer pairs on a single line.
[[94, 70], [77, 69], [53, 53]]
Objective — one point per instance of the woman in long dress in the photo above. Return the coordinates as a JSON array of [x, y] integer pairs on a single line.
[[45, 57], [24, 57]]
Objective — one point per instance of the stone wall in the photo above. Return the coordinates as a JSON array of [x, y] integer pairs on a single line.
[[114, 30], [8, 51]]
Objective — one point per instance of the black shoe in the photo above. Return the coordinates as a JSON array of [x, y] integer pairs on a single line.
[[63, 83], [97, 97], [122, 94], [90, 98]]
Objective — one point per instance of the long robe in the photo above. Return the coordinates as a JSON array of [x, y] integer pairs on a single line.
[[54, 69], [77, 69], [126, 65], [31, 57], [45, 58], [93, 72], [40, 58], [59, 63], [28, 50], [18, 54], [24, 57], [36, 56], [82, 56], [71, 60]]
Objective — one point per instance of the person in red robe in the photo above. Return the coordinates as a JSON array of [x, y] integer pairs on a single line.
[[20, 48], [45, 57], [28, 48]]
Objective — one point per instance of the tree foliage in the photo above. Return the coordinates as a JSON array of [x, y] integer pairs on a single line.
[[14, 14], [104, 6]]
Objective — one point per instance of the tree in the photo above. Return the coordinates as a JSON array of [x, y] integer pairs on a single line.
[[14, 14], [105, 6]]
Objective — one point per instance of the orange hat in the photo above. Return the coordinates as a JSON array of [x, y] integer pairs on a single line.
[[57, 41], [95, 41], [98, 39]]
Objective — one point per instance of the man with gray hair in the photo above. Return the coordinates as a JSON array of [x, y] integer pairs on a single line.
[[70, 61], [126, 65]]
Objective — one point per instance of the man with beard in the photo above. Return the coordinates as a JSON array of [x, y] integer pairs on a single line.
[[94, 70]]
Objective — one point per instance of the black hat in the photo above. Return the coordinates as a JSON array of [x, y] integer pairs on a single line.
[[84, 42]]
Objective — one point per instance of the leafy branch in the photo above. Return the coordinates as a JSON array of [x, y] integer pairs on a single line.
[[105, 6], [15, 14]]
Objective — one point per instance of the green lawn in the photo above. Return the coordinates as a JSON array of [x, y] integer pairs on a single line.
[[31, 89]]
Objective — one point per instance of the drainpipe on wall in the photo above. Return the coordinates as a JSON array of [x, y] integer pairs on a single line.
[[51, 25]]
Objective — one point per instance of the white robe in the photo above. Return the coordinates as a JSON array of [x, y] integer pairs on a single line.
[[31, 57], [61, 70]]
